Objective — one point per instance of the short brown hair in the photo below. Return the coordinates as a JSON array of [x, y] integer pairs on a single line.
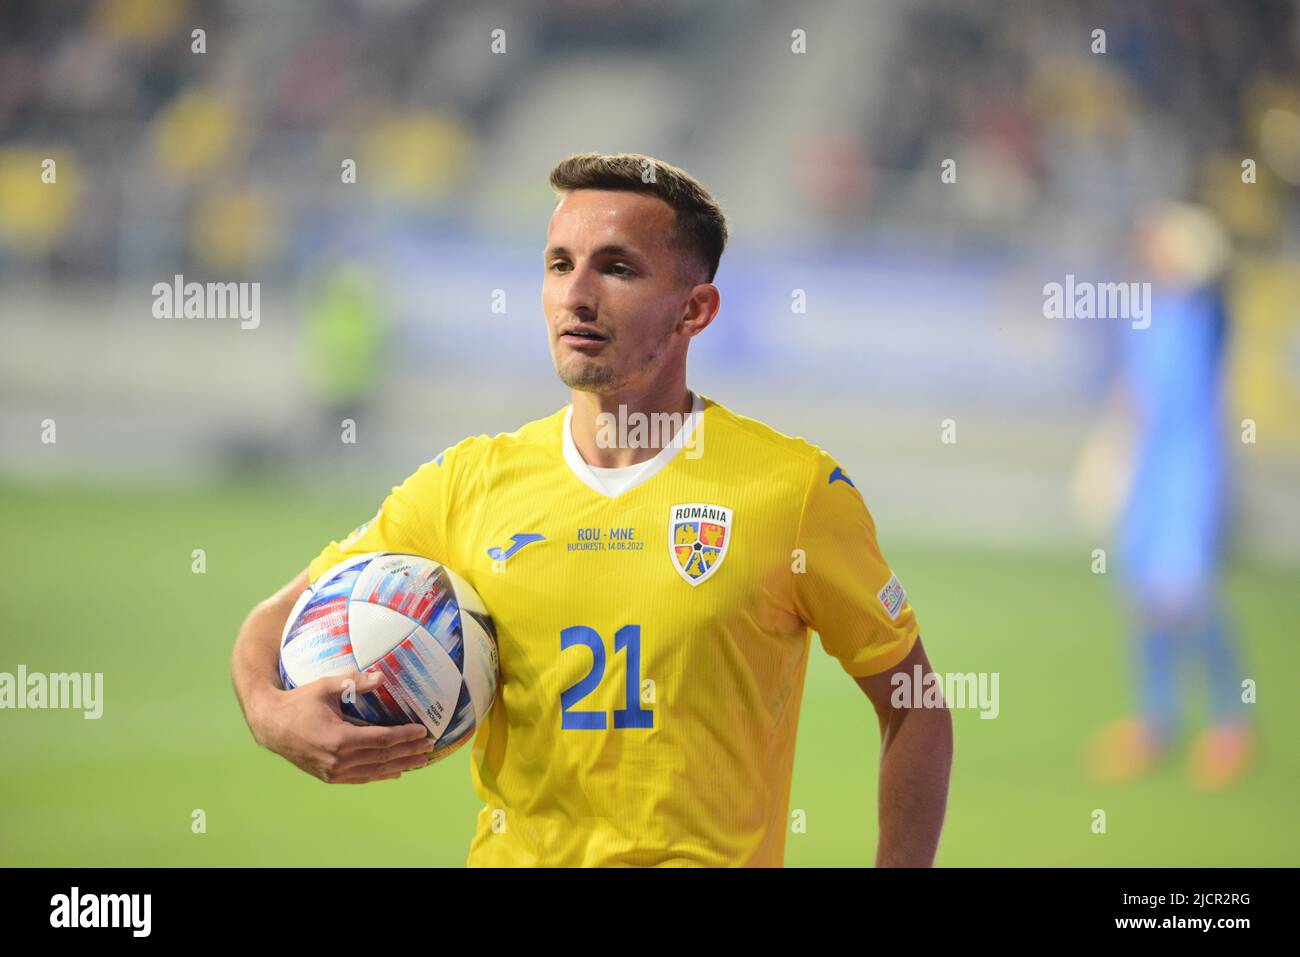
[[701, 224]]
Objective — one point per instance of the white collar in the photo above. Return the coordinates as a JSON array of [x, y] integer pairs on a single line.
[[649, 468]]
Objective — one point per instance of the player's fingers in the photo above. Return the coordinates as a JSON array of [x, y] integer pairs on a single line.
[[410, 749], [335, 687], [374, 772], [352, 738]]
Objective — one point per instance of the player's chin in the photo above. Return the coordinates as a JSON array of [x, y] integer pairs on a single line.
[[583, 372]]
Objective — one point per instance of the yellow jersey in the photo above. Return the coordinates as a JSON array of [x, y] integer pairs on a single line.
[[653, 643]]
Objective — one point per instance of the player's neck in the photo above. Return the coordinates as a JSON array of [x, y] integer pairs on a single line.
[[614, 441]]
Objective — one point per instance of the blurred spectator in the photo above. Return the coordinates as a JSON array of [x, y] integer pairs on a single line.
[[342, 345]]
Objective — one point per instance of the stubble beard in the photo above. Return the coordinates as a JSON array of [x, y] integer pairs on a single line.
[[587, 377], [592, 375]]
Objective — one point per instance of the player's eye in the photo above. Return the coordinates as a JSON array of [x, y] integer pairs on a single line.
[[555, 266], [619, 269]]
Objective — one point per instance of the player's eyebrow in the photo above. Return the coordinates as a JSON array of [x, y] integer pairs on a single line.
[[609, 249]]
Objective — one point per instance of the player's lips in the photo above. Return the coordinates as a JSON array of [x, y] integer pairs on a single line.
[[579, 336]]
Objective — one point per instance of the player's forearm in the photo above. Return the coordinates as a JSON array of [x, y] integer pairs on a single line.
[[254, 661], [914, 773]]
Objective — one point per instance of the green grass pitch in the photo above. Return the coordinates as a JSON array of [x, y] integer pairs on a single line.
[[100, 580]]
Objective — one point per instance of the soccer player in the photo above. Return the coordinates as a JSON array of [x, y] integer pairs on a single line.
[[1174, 522], [653, 588]]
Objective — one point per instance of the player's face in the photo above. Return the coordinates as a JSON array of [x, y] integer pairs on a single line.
[[616, 291]]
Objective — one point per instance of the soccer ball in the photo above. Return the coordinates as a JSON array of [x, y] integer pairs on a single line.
[[414, 620]]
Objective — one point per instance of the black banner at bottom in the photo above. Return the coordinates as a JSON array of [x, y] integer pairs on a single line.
[[337, 906]]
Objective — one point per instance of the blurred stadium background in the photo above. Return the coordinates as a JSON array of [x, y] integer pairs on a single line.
[[924, 303]]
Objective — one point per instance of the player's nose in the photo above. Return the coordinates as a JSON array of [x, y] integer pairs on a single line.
[[581, 297]]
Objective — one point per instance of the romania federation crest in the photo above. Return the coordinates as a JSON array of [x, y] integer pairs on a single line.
[[698, 539]]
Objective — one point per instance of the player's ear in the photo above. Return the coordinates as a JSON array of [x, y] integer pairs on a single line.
[[700, 309]]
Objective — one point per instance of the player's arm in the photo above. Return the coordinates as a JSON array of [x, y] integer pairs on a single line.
[[915, 763], [850, 596], [306, 726]]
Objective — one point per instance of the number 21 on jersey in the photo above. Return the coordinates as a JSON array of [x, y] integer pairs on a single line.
[[627, 638]]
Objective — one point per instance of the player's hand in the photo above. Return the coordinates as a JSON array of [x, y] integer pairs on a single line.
[[307, 727]]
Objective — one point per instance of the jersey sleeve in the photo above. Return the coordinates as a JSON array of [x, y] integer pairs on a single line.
[[844, 589], [412, 519]]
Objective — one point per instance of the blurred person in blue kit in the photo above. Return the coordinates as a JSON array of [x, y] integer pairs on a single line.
[[1173, 523], [341, 343]]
